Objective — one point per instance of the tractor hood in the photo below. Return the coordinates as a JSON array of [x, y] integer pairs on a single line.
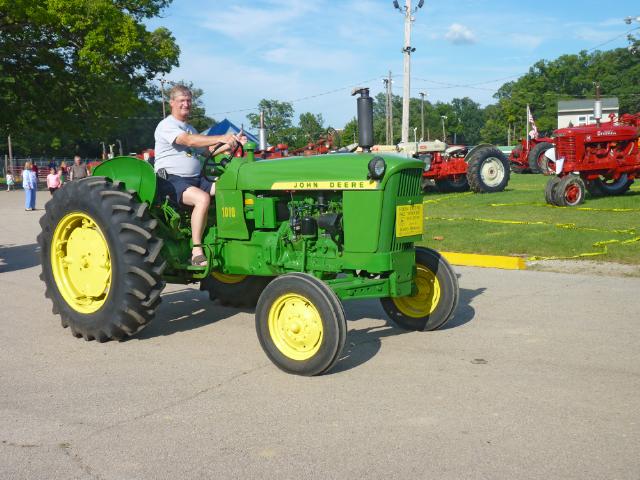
[[320, 172]]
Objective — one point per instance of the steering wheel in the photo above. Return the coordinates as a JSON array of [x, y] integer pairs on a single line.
[[209, 161]]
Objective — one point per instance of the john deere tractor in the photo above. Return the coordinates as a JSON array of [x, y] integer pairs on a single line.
[[292, 236]]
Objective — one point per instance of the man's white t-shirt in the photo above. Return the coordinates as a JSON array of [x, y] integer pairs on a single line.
[[175, 159]]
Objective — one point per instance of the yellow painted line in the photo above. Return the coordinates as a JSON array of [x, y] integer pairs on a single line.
[[488, 261]]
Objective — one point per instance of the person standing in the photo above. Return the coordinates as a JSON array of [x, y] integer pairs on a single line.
[[36, 171], [78, 169], [53, 180], [30, 185], [10, 181]]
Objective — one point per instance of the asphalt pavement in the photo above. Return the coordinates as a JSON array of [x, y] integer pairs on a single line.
[[537, 376]]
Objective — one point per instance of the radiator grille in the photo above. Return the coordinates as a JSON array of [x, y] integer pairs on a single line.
[[410, 182], [566, 148]]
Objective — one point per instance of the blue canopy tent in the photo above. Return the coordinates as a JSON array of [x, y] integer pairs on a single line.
[[225, 126]]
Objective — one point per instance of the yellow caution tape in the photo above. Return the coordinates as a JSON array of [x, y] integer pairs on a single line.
[[586, 209], [447, 197]]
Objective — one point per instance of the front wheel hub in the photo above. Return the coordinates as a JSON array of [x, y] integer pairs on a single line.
[[295, 327]]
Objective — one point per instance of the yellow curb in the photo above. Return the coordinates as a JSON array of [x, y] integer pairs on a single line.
[[489, 261]]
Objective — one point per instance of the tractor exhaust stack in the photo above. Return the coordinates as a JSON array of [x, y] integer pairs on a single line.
[[365, 118]]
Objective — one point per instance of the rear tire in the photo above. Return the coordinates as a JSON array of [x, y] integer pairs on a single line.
[[101, 261], [537, 160], [235, 290], [569, 192], [436, 299], [601, 187], [458, 183], [301, 324], [488, 170]]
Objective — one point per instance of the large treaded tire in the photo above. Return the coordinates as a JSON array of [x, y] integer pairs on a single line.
[[600, 188], [283, 330], [488, 170], [459, 183], [537, 164], [442, 291], [134, 258], [242, 291]]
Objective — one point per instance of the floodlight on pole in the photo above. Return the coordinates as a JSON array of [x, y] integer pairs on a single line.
[[630, 20], [407, 50]]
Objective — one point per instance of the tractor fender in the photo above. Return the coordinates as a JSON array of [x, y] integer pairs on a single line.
[[450, 151], [475, 149]]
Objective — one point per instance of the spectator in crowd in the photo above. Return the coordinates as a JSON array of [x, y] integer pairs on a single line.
[[65, 171], [78, 169], [30, 185], [53, 180], [10, 181], [34, 168], [52, 164]]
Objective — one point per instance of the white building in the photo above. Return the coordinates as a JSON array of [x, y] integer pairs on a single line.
[[580, 112]]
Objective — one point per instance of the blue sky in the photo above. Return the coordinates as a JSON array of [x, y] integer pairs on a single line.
[[240, 52]]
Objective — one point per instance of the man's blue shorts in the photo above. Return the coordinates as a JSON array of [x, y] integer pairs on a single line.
[[175, 186]]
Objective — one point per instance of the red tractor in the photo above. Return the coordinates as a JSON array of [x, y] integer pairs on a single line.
[[482, 169], [529, 156], [602, 159]]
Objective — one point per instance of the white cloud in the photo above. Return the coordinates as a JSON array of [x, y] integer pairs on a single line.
[[460, 35]]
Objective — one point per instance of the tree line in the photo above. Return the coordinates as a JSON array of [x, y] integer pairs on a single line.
[[74, 74]]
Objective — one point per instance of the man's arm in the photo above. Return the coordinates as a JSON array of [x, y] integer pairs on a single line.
[[196, 140]]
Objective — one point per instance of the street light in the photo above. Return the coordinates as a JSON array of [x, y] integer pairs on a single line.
[[407, 50], [444, 134], [630, 20]]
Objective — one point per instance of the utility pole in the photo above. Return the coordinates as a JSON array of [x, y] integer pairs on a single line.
[[444, 133], [164, 111], [407, 50], [10, 152], [387, 109], [422, 95]]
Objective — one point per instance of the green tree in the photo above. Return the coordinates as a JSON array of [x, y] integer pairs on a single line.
[[278, 118], [311, 127], [71, 71]]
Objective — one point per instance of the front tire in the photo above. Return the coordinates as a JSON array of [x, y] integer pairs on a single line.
[[300, 324], [569, 191], [436, 299], [456, 183], [101, 262], [488, 170]]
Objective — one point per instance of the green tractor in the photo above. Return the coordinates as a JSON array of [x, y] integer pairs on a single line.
[[292, 237]]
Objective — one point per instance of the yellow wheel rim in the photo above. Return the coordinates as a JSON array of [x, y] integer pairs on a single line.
[[80, 262], [425, 301], [228, 277], [295, 326]]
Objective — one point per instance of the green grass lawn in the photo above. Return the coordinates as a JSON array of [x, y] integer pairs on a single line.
[[518, 222]]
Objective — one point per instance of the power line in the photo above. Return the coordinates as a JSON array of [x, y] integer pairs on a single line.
[[296, 100]]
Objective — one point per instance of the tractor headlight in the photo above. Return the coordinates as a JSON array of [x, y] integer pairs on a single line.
[[377, 167]]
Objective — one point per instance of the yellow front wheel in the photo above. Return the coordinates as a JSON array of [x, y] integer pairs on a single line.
[[435, 299], [300, 324]]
